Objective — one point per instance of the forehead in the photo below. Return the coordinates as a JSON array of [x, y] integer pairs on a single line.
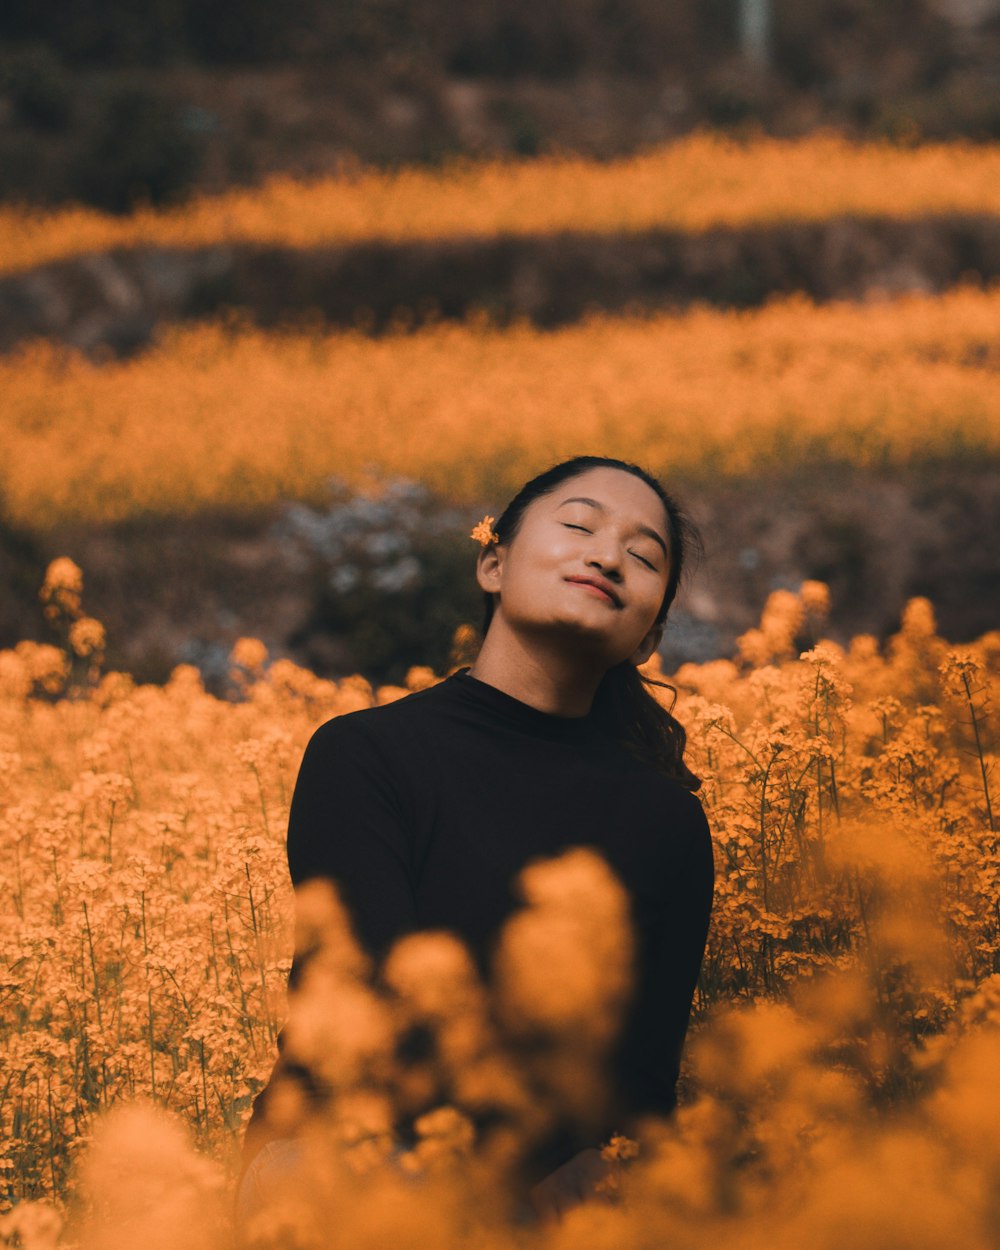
[[620, 492]]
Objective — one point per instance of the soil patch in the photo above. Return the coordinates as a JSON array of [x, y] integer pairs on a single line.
[[114, 302]]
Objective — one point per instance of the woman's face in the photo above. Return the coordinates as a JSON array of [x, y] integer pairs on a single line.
[[603, 526]]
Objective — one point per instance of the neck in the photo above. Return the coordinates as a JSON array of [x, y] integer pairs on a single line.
[[538, 671]]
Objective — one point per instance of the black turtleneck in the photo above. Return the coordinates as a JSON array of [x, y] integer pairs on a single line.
[[423, 811]]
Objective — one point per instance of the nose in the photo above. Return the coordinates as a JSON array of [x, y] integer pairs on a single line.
[[606, 557]]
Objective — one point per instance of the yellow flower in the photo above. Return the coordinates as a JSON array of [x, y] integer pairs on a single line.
[[249, 653], [86, 636], [47, 665], [420, 676], [62, 589], [484, 533], [620, 1148], [815, 597], [63, 574]]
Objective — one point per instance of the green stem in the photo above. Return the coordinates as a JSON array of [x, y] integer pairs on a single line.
[[979, 751], [149, 1002], [260, 957], [93, 966]]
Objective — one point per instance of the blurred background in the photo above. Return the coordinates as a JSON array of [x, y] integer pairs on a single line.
[[104, 102], [116, 113]]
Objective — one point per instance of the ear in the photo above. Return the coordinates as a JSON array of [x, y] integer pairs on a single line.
[[648, 645], [489, 567]]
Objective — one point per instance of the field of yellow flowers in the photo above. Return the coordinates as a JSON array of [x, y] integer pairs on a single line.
[[841, 1082], [702, 181], [231, 417]]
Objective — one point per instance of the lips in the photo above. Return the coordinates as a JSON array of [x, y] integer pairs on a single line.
[[599, 584]]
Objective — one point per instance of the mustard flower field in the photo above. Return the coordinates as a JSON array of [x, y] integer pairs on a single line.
[[227, 416], [700, 181], [839, 1087]]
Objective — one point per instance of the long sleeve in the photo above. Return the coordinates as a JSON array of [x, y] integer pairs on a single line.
[[670, 960], [646, 1060], [398, 805], [348, 823]]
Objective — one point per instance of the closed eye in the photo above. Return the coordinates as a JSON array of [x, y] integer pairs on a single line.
[[571, 526]]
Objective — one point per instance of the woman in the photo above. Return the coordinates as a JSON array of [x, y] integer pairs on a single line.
[[423, 811]]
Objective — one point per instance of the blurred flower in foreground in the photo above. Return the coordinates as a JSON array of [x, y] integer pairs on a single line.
[[143, 1182]]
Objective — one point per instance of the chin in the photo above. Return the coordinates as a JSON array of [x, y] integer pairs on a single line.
[[589, 642], [580, 627], [579, 632]]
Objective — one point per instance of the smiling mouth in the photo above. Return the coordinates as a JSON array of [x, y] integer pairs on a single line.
[[597, 590]]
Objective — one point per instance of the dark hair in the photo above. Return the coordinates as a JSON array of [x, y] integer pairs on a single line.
[[622, 703]]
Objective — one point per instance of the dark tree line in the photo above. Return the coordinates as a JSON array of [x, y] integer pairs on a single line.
[[476, 37], [96, 93]]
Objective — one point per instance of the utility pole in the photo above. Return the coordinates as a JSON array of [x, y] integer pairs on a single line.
[[755, 33]]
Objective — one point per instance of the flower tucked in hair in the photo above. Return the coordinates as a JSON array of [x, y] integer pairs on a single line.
[[484, 533]]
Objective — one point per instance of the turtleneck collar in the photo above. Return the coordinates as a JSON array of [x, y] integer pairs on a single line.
[[523, 716]]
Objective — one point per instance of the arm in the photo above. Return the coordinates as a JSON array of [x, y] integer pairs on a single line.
[[573, 1182], [653, 1036], [348, 823]]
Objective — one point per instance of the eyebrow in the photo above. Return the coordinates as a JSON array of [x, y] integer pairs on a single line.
[[642, 529]]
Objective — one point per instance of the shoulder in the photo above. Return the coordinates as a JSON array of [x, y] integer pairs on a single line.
[[679, 810], [380, 726], [370, 754], [660, 791], [700, 854], [683, 800], [685, 806]]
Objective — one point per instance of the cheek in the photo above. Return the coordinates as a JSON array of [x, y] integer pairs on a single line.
[[533, 586], [648, 607], [543, 559], [524, 588]]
